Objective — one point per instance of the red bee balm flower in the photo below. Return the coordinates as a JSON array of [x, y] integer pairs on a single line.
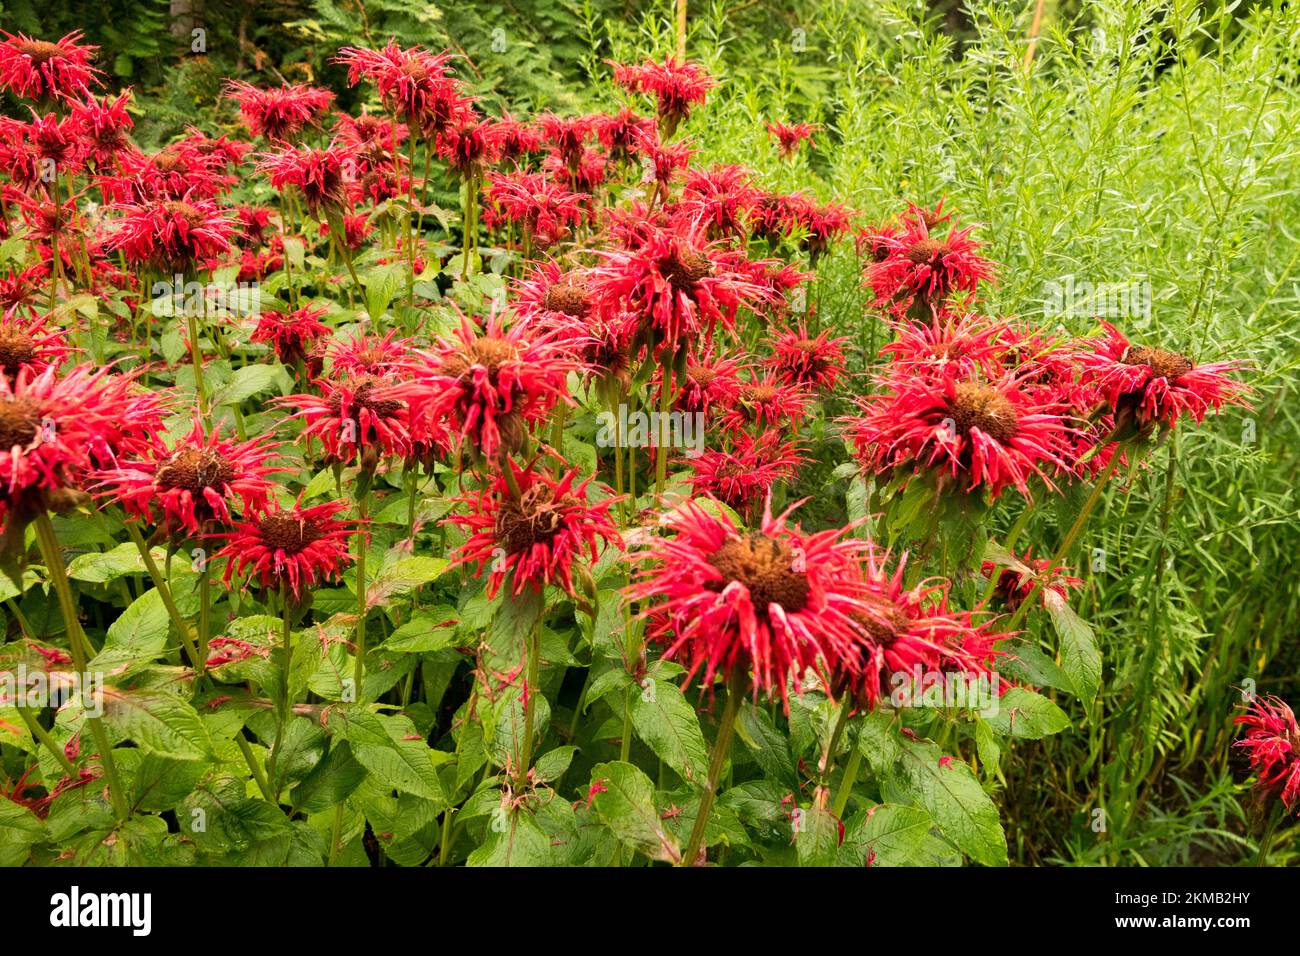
[[413, 82], [292, 549], [291, 334], [537, 525], [491, 384], [174, 236], [356, 415], [916, 268], [317, 173], [44, 71], [1146, 385], [279, 113], [789, 136], [1272, 741], [770, 603], [195, 483], [675, 86], [28, 342], [990, 434], [804, 360]]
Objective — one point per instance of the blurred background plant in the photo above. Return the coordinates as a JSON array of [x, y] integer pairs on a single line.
[[1148, 144]]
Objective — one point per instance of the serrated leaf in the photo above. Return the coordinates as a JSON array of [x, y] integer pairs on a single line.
[[249, 381], [626, 805], [137, 636], [1023, 713], [402, 577], [1080, 657], [944, 786], [670, 727], [159, 721], [886, 835], [390, 749]]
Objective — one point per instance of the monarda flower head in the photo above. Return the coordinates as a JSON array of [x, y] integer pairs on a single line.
[[743, 474], [918, 272], [365, 418], [1272, 743], [105, 128], [28, 343], [279, 113], [902, 630], [790, 136], [550, 295], [195, 484], [675, 86], [984, 434], [317, 173], [1147, 386], [291, 333], [762, 605], [803, 360], [55, 430], [533, 526], [380, 356], [711, 381], [415, 84], [956, 343], [673, 283], [766, 402], [290, 549], [172, 235], [1018, 577], [719, 198], [47, 71], [491, 383]]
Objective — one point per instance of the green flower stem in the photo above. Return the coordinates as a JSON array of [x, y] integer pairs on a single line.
[[846, 784], [532, 678], [1070, 537], [205, 609], [196, 359], [43, 737], [359, 669], [1266, 841], [286, 650], [721, 744], [53, 556], [169, 602]]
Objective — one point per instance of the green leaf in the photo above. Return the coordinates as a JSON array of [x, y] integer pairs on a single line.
[[330, 782], [514, 838], [1080, 657], [1023, 713], [626, 805], [552, 764], [886, 835], [160, 783], [137, 636], [402, 577], [817, 836], [428, 632], [769, 746], [102, 567], [390, 748], [20, 830], [251, 380], [158, 721], [944, 786], [382, 284], [669, 725]]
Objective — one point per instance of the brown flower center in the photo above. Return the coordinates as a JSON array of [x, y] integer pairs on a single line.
[[885, 623], [17, 348], [979, 406], [533, 519], [20, 421], [490, 353], [285, 532], [757, 394], [192, 216], [766, 567], [568, 297], [928, 252], [195, 469], [1164, 364], [168, 161], [700, 376], [39, 51], [363, 396], [684, 269]]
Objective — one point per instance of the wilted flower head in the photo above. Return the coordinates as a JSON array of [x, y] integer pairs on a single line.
[[533, 526]]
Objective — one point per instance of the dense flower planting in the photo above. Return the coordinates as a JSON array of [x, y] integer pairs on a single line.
[[438, 536]]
